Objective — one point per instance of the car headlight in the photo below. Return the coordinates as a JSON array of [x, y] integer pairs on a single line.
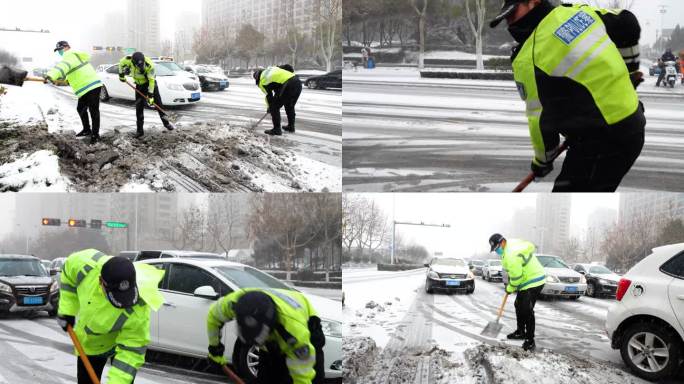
[[174, 87], [5, 288], [331, 328], [54, 287], [433, 275], [583, 280], [606, 282], [552, 279]]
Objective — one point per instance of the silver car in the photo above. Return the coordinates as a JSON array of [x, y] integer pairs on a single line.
[[561, 280]]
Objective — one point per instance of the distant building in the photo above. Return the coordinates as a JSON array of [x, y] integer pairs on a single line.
[[602, 219], [186, 27], [522, 225], [143, 27], [552, 228], [657, 205]]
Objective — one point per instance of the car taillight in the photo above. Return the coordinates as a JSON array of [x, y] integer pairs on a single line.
[[623, 285]]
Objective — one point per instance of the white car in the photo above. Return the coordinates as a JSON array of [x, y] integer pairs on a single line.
[[647, 321], [191, 285], [492, 270], [448, 274], [176, 86], [561, 280]]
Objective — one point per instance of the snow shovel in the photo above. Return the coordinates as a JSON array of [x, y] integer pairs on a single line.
[[82, 355], [12, 76], [172, 117], [260, 120], [494, 327], [530, 178], [232, 375]]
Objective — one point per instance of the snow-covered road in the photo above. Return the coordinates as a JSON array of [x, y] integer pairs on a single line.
[[38, 351], [403, 133], [402, 317]]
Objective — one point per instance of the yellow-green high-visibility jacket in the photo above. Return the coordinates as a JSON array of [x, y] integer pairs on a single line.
[[140, 78], [75, 67], [272, 80], [573, 79], [293, 312], [522, 266], [103, 329]]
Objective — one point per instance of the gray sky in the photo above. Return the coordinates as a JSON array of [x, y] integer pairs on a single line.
[[76, 21], [473, 217]]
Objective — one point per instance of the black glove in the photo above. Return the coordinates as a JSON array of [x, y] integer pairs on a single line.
[[541, 169], [63, 321], [122, 78], [216, 354], [47, 79], [636, 78]]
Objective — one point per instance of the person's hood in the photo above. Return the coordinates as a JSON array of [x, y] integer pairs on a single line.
[[26, 280], [450, 269], [562, 272], [147, 279]]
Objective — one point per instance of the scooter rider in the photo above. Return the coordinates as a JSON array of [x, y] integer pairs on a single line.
[[664, 59]]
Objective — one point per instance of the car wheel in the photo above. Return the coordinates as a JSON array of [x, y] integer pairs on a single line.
[[248, 361], [312, 84], [104, 95], [650, 351], [428, 289], [591, 290]]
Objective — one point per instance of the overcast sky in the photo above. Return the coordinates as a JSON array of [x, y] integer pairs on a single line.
[[473, 217]]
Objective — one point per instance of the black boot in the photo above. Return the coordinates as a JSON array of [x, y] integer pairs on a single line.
[[140, 133], [94, 139], [289, 128], [529, 345], [517, 335], [274, 132], [169, 126], [84, 132]]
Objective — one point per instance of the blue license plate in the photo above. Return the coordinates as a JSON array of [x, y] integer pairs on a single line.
[[33, 300], [570, 289], [224, 84], [453, 283], [195, 96]]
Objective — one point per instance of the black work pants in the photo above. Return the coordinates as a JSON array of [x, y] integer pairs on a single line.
[[90, 102], [599, 163], [287, 97], [141, 102], [98, 363], [524, 310]]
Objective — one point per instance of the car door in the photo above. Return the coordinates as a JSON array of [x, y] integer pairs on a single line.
[[183, 317], [110, 78], [154, 315], [675, 268]]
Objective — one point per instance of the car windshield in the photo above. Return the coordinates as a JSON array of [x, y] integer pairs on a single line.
[[600, 270], [208, 70], [17, 267], [167, 68], [248, 277], [204, 256], [452, 262], [551, 262], [494, 262], [477, 262]]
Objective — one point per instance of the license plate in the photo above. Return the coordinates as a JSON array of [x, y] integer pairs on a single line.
[[453, 283], [33, 300], [195, 96], [224, 83], [570, 289]]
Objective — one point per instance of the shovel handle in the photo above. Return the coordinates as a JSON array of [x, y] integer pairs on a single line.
[[82, 355], [36, 79], [530, 178], [232, 375], [145, 97], [260, 120], [501, 308]]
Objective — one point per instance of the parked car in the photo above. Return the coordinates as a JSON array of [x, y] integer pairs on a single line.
[[476, 267], [191, 285], [561, 280], [492, 270], [130, 255], [449, 274], [176, 86], [601, 281], [56, 266], [46, 265], [647, 322], [211, 77], [25, 286], [654, 69], [329, 80], [146, 255]]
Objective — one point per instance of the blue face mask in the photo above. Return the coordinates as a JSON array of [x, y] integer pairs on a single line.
[[499, 251], [61, 52]]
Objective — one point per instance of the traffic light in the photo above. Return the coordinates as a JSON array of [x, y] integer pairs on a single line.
[[115, 224], [95, 224], [52, 222], [73, 223]]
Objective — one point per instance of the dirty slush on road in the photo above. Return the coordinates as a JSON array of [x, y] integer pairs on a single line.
[[197, 157]]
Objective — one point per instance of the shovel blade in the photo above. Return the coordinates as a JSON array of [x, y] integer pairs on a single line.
[[12, 76], [492, 329]]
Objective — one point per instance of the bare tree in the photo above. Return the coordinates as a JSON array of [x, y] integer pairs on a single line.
[[223, 222], [420, 6], [476, 24], [190, 231], [329, 26], [293, 35]]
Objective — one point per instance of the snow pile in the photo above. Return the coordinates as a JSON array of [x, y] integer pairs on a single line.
[[36, 172], [358, 353]]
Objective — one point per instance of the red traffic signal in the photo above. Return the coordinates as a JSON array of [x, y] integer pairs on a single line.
[[52, 222], [77, 223]]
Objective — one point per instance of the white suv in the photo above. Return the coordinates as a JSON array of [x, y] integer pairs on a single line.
[[191, 285], [647, 322]]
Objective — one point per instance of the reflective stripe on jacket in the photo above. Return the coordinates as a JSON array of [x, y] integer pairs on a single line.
[[522, 266], [75, 67]]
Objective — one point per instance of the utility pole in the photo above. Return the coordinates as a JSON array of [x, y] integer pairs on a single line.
[[421, 224], [663, 11]]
